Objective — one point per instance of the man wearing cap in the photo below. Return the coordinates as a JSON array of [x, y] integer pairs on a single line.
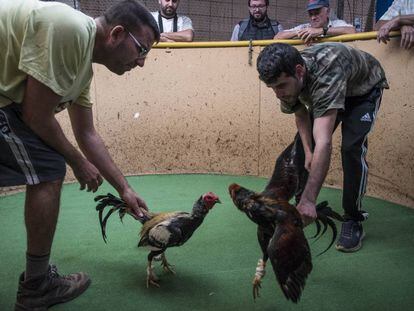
[[173, 27], [258, 26], [320, 25]]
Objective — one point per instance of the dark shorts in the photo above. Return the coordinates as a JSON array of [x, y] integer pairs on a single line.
[[24, 158]]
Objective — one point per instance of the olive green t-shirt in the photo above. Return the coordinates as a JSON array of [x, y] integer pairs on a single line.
[[336, 71], [49, 41]]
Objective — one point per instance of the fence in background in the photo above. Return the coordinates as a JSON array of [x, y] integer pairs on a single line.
[[215, 20]]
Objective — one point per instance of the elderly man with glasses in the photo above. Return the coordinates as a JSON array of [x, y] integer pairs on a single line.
[[320, 25], [46, 55], [258, 26]]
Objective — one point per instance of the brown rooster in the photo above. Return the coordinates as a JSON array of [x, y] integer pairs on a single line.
[[160, 230], [280, 228]]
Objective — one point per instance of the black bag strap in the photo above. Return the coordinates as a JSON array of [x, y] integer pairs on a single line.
[[160, 26], [160, 22], [275, 26], [175, 25], [243, 25]]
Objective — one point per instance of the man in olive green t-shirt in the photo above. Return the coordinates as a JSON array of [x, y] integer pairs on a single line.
[[46, 55], [325, 85]]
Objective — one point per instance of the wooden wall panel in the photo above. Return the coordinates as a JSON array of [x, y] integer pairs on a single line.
[[204, 110]]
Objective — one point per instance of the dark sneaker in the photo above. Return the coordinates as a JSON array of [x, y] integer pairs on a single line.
[[52, 290], [351, 237]]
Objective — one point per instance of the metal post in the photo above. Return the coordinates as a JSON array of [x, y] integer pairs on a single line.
[[250, 52], [369, 25], [340, 9]]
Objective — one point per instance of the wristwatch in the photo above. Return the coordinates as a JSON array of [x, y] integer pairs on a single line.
[[325, 30]]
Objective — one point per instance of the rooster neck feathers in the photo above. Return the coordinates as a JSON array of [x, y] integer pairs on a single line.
[[268, 211], [199, 210], [289, 176]]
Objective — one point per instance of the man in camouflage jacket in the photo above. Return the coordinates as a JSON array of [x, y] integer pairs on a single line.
[[325, 85]]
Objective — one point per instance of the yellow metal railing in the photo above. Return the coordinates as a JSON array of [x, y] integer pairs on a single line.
[[218, 44]]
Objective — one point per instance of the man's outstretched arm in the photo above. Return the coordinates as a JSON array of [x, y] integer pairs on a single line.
[[304, 126], [39, 104], [322, 133], [96, 152]]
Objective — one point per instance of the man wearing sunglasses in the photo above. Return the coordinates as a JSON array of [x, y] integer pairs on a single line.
[[258, 26], [173, 27], [46, 55], [320, 25]]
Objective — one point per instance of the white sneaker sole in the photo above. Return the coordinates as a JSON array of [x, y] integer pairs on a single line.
[[351, 250]]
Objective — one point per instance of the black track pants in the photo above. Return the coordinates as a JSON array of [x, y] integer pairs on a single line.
[[356, 122]]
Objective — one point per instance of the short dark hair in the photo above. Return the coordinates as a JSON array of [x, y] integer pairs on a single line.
[[248, 2], [278, 58], [131, 14]]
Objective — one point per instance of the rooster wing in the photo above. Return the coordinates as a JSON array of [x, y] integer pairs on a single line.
[[163, 230], [290, 257]]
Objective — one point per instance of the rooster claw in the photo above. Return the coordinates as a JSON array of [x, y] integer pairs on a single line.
[[152, 282], [152, 279], [257, 285], [165, 264], [168, 268]]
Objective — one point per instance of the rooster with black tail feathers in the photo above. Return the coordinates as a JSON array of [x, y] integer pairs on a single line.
[[280, 227], [160, 230]]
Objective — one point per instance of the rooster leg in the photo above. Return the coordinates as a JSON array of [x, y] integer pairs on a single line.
[[264, 235], [257, 281], [165, 265], [152, 278]]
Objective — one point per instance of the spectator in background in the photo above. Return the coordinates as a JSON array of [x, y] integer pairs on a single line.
[[173, 27], [399, 16], [258, 26], [320, 24]]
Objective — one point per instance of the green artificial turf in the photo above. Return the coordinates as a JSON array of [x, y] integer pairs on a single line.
[[216, 266]]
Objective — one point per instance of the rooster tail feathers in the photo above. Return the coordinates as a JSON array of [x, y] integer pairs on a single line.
[[325, 209], [109, 199], [325, 216], [116, 204], [318, 229], [100, 224], [103, 202], [334, 234]]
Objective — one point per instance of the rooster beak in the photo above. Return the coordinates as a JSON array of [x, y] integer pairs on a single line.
[[218, 200]]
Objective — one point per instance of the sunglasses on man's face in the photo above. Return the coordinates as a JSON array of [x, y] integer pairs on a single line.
[[142, 51], [257, 7]]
